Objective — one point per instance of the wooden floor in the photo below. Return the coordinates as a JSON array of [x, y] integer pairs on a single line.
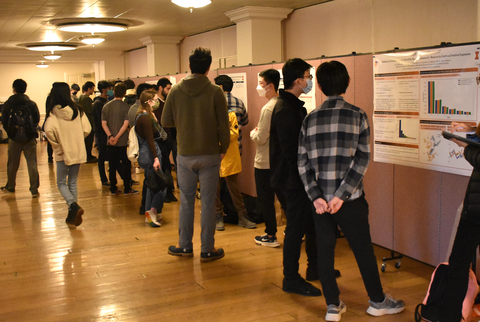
[[116, 268]]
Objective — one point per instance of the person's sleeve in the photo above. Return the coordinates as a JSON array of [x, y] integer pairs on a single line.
[[243, 114], [51, 135], [167, 115], [87, 128], [36, 113], [472, 155], [145, 131], [261, 135], [5, 113], [359, 164], [286, 130], [305, 170], [222, 119]]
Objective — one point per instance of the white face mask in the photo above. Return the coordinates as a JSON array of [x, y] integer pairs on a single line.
[[261, 91]]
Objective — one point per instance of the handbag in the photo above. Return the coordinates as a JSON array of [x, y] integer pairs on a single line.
[[156, 180], [133, 147]]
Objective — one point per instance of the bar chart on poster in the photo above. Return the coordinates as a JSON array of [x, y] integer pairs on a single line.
[[417, 95]]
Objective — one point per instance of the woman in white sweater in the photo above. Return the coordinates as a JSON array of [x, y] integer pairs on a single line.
[[66, 127]]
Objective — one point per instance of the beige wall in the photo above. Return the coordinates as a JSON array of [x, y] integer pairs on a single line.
[[39, 81], [136, 63]]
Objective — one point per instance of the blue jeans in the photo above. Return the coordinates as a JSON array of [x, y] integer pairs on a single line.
[[145, 160], [67, 181], [191, 169]]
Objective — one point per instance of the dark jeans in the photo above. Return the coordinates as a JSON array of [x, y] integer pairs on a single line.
[[466, 242], [299, 213], [118, 161], [29, 149], [89, 145], [102, 157], [352, 218], [266, 200]]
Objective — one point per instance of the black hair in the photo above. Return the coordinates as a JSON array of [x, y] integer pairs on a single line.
[[75, 87], [163, 82], [103, 84], [87, 86], [142, 87], [333, 78], [60, 95], [292, 70], [120, 89], [200, 60], [129, 83], [20, 86], [225, 81], [271, 76]]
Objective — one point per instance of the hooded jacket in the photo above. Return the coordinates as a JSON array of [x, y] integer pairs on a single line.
[[18, 100], [67, 135], [198, 109], [231, 163]]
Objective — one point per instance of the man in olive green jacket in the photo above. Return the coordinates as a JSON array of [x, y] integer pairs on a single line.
[[198, 109]]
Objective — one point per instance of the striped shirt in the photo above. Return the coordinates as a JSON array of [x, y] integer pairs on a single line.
[[240, 112], [334, 150]]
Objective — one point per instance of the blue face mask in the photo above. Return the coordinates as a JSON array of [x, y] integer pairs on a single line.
[[309, 87], [110, 92]]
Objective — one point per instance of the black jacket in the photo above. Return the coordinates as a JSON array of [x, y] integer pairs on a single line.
[[471, 203], [18, 100], [287, 119]]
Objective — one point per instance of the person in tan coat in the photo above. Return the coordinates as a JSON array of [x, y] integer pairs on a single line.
[[230, 167], [66, 128]]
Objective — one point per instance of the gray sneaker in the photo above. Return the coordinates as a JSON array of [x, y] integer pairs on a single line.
[[388, 306], [334, 312]]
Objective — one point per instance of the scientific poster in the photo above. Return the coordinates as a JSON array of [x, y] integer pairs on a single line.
[[417, 95]]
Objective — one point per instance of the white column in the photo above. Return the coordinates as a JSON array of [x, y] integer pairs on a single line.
[[162, 54], [259, 33]]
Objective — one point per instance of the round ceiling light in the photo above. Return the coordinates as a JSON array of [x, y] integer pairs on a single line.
[[52, 56], [92, 39], [42, 65], [50, 46], [91, 25], [192, 3]]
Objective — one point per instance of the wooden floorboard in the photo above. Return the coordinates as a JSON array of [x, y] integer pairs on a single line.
[[116, 268]]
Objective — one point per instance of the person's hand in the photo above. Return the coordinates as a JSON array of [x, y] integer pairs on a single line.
[[156, 164], [461, 127], [459, 143], [320, 205], [113, 140], [335, 204], [222, 155]]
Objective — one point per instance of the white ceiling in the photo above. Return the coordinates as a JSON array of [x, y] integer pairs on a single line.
[[23, 21]]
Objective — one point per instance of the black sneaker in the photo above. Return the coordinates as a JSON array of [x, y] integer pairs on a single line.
[[301, 287], [267, 241], [106, 183], [6, 189], [213, 255], [178, 251], [74, 217], [92, 160]]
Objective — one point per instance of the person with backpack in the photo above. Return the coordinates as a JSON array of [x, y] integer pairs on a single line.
[[66, 128], [20, 117]]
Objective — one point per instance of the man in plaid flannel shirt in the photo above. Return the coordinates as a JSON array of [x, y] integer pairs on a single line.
[[226, 83], [333, 155]]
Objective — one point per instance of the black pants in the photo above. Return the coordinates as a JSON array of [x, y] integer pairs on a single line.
[[49, 151], [118, 161], [266, 200], [102, 157], [299, 213], [352, 218], [466, 242], [89, 145], [166, 148]]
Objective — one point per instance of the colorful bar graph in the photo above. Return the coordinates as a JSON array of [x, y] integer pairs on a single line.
[[436, 107]]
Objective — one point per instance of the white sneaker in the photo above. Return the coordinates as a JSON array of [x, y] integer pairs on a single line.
[[152, 219], [334, 312]]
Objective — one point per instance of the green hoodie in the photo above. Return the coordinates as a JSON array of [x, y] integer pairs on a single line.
[[198, 109]]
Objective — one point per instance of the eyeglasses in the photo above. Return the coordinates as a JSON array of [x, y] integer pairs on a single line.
[[308, 77]]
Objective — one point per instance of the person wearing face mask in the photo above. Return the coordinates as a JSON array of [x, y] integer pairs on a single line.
[[268, 81], [169, 145], [287, 118], [74, 89]]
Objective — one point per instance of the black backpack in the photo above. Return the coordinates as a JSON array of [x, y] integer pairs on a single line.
[[20, 124]]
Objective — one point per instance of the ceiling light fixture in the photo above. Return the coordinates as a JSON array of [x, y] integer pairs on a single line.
[[191, 4], [50, 46], [92, 39], [42, 65], [91, 25], [52, 56]]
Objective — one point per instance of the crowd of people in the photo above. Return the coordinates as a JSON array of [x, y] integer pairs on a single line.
[[314, 163]]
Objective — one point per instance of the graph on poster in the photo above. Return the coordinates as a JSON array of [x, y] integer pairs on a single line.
[[449, 98]]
